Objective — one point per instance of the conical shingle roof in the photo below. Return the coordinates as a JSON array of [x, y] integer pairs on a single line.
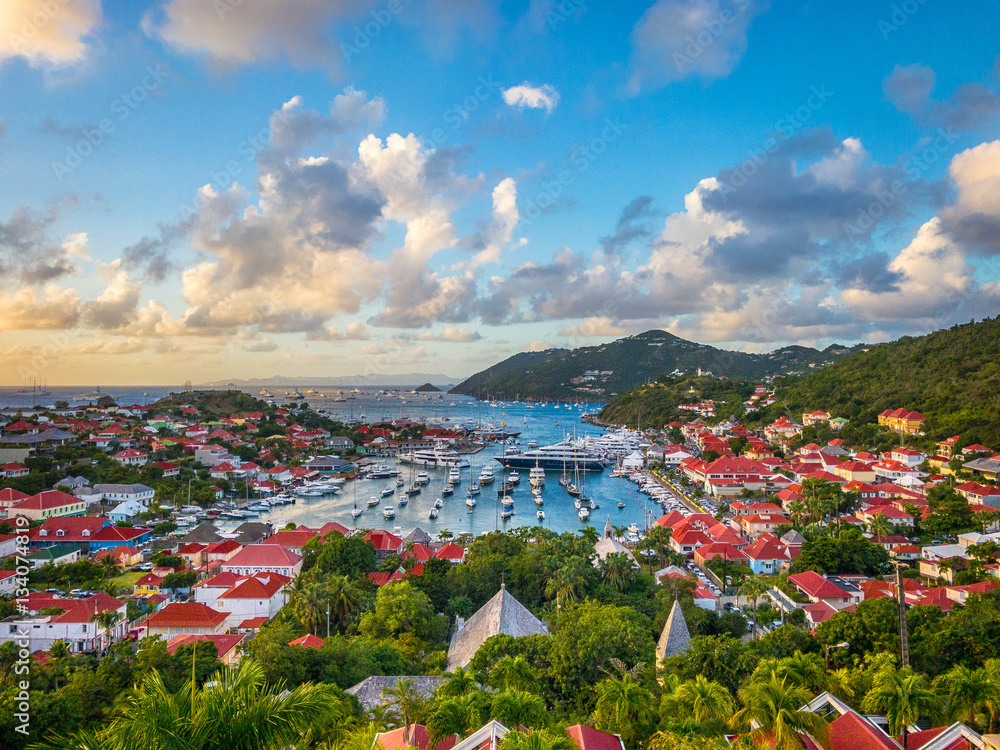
[[501, 614], [675, 638]]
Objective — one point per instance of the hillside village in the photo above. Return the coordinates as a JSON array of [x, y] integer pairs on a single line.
[[109, 546]]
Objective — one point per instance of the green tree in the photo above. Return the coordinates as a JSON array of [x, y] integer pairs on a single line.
[[405, 698], [538, 739], [903, 697], [752, 590], [514, 708], [966, 691], [701, 700], [773, 712], [625, 707], [513, 673]]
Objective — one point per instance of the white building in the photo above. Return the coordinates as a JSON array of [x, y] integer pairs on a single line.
[[120, 493], [74, 625], [261, 595]]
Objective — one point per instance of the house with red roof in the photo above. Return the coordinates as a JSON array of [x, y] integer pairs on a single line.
[[169, 469], [889, 470], [451, 552], [688, 540], [148, 585], [307, 641], [385, 543], [124, 555], [260, 595], [588, 738], [903, 420], [833, 590], [767, 555], [264, 558], [980, 494], [73, 625], [9, 582], [381, 578], [48, 504], [761, 523], [9, 498], [292, 540], [891, 513], [419, 552], [227, 645], [184, 618], [13, 471], [131, 457], [704, 555]]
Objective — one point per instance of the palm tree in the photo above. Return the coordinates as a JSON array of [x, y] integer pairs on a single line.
[[967, 691], [406, 700], [624, 707], [513, 673], [309, 604], [840, 684], [445, 534], [539, 739], [673, 741], [805, 670], [236, 710], [107, 620], [904, 697], [879, 525], [451, 716], [658, 537], [703, 700], [460, 682], [617, 571], [515, 708], [564, 586], [343, 597], [753, 588], [774, 711], [109, 565]]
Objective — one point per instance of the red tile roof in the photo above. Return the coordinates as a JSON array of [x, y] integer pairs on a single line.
[[224, 642], [87, 608], [263, 555], [185, 615], [588, 738], [307, 641], [48, 500], [419, 737], [260, 586], [813, 584], [383, 541]]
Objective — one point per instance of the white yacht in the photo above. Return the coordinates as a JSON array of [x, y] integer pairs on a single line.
[[422, 478], [372, 502], [486, 476], [388, 512], [514, 478], [440, 456], [584, 514], [536, 476], [470, 501], [455, 476], [566, 455], [540, 515]]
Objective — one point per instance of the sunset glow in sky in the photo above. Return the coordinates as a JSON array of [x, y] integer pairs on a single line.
[[213, 189]]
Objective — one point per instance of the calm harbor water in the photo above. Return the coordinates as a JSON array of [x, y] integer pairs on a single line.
[[545, 424]]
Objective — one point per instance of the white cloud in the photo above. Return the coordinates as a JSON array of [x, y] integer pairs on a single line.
[[451, 335], [677, 39], [601, 326], [251, 32], [24, 310], [532, 97], [47, 33]]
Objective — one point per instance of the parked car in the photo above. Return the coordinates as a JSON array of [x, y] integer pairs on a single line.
[[146, 566], [78, 593], [54, 591]]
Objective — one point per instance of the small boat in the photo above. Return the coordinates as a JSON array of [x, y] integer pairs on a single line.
[[574, 491], [506, 513], [621, 505], [584, 514], [537, 476], [536, 491], [388, 491], [486, 476], [455, 476], [433, 513], [372, 501], [474, 489], [388, 512], [423, 478], [402, 501], [400, 483], [470, 501], [448, 490], [540, 515], [414, 490], [514, 478], [357, 512], [564, 480], [539, 500], [308, 493], [505, 488], [532, 444], [439, 503]]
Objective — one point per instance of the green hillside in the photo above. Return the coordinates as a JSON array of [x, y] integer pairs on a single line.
[[626, 363], [951, 376]]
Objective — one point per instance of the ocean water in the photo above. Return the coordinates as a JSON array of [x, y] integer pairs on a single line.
[[546, 423]]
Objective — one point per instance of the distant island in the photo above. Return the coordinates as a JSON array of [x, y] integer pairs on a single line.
[[428, 388]]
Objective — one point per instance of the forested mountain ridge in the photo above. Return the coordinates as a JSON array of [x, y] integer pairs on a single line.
[[951, 376], [620, 365]]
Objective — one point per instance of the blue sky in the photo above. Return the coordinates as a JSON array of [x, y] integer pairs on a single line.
[[202, 190]]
